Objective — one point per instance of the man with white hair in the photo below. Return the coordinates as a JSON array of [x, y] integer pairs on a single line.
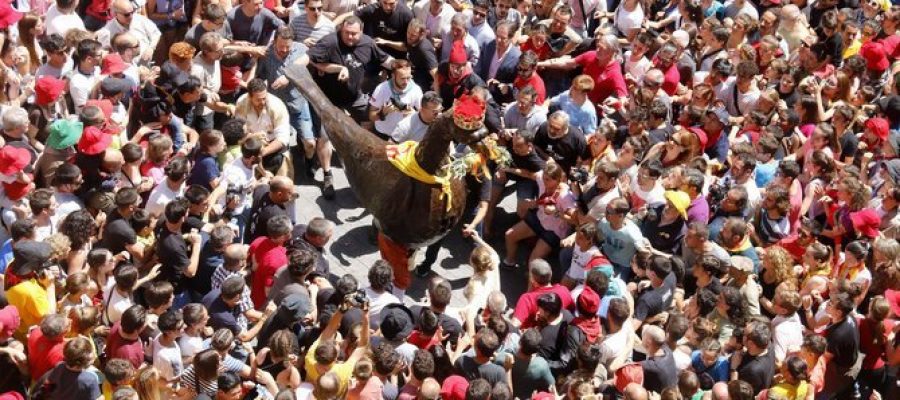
[[15, 127], [456, 32], [560, 140], [659, 367]]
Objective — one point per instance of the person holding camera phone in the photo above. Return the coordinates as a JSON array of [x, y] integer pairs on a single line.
[[394, 99]]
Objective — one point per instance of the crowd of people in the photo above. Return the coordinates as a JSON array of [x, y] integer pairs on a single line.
[[707, 194]]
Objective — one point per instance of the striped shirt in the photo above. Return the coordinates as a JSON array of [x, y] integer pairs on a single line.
[[303, 30]]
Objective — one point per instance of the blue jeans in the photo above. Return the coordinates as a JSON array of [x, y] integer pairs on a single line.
[[301, 122]]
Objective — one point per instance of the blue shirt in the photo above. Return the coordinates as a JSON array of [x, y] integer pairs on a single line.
[[271, 68], [765, 173], [206, 170], [620, 245], [718, 371], [583, 116]]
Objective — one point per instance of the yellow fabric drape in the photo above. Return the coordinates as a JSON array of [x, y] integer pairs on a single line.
[[403, 156]]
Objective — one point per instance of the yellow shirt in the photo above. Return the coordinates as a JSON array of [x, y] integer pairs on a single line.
[[30, 298], [343, 370]]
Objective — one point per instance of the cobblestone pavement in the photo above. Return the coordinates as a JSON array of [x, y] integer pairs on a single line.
[[351, 250]]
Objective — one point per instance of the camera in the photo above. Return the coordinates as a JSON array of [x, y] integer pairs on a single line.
[[395, 100], [357, 299], [579, 175], [717, 193]]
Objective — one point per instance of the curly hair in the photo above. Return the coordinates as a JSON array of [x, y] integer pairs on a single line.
[[60, 245], [859, 193], [78, 226], [779, 265], [181, 52]]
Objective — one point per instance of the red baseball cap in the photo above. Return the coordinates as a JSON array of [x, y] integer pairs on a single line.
[[875, 56], [589, 301], [113, 64], [93, 141], [458, 53], [879, 126], [454, 388], [47, 89], [8, 15], [13, 159], [15, 191], [866, 222]]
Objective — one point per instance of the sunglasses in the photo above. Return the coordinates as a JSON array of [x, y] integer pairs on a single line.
[[316, 9], [126, 15]]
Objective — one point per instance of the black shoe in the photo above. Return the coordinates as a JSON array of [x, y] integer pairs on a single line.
[[423, 269], [505, 265], [328, 186]]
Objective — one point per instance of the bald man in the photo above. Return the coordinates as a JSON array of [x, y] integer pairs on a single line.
[[634, 391], [430, 390], [269, 201], [126, 19]]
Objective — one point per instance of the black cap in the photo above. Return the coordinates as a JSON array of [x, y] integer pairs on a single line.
[[29, 256], [396, 322], [112, 86]]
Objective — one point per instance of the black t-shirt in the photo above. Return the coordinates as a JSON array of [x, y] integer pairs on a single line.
[[359, 59], [118, 234], [210, 259], [175, 256], [662, 237], [220, 314], [849, 145], [758, 371], [451, 326], [660, 371], [566, 150], [264, 209], [257, 29], [655, 300], [298, 241], [834, 47], [468, 368], [531, 162], [11, 380], [659, 135], [377, 23], [843, 342], [423, 58]]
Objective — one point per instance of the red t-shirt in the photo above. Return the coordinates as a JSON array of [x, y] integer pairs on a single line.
[[527, 304], [793, 247], [542, 52], [608, 79], [671, 79], [537, 83], [874, 353], [892, 46], [100, 9], [126, 349], [269, 258], [44, 353]]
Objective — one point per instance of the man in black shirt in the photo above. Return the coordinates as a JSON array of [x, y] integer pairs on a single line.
[[421, 54], [341, 62], [212, 255], [559, 339], [843, 347], [177, 259], [561, 141], [755, 364], [118, 235], [480, 365], [659, 297], [439, 293], [269, 201], [659, 367], [386, 21], [313, 237]]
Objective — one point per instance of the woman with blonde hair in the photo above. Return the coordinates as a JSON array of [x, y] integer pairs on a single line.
[[148, 384], [85, 321], [486, 277], [777, 268], [886, 269]]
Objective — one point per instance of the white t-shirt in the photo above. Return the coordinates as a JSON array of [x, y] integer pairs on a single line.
[[81, 85], [62, 23], [787, 335], [637, 69], [167, 360], [239, 176], [190, 345], [161, 195], [67, 203], [115, 304], [580, 259], [382, 97], [377, 302], [614, 344], [410, 127]]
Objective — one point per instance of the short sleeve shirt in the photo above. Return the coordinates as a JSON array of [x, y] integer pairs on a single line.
[[377, 23], [257, 29], [117, 235], [174, 255], [608, 79], [359, 59]]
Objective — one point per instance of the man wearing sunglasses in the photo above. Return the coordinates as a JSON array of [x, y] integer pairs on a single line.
[[126, 19], [311, 25]]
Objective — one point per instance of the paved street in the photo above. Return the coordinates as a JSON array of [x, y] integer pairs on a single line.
[[351, 251]]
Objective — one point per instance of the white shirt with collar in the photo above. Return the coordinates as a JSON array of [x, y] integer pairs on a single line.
[[141, 27]]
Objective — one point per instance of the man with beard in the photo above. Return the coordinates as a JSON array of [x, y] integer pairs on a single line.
[[456, 78], [385, 21], [394, 99], [421, 54], [342, 61]]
